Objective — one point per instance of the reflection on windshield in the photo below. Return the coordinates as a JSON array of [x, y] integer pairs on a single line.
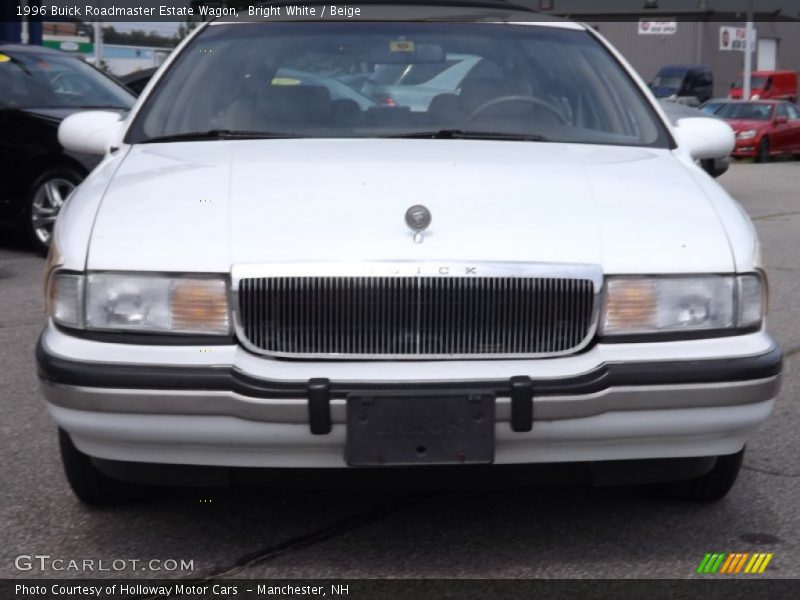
[[51, 80], [393, 79]]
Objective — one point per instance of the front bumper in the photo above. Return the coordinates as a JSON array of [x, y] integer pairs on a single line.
[[746, 148], [222, 406]]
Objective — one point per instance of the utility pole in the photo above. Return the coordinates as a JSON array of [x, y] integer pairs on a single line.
[[98, 43], [24, 30], [702, 27], [748, 51]]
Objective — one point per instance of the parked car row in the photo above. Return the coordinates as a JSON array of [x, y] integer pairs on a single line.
[[694, 85]]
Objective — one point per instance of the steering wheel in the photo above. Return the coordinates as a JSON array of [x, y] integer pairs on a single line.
[[523, 99], [68, 83]]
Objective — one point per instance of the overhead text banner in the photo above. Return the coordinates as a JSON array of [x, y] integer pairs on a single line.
[[400, 589], [236, 10]]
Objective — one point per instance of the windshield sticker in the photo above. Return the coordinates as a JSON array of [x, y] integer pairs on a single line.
[[285, 81], [401, 46]]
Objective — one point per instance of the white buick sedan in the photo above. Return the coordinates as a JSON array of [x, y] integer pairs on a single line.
[[273, 271]]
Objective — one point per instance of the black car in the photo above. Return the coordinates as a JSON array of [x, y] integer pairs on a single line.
[[684, 81], [137, 80], [40, 87]]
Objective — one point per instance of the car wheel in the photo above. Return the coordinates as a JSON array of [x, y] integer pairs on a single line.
[[91, 485], [710, 487], [44, 202], [763, 151]]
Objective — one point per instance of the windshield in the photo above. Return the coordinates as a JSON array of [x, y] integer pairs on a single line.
[[333, 80], [670, 82], [746, 110], [51, 80], [756, 82], [712, 107]]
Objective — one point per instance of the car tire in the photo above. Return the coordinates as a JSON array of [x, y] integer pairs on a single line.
[[711, 487], [44, 202], [89, 484], [763, 156]]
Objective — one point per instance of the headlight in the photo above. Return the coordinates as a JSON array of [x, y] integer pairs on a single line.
[[141, 303], [647, 305], [746, 135]]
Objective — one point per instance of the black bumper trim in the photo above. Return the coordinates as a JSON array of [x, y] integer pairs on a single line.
[[58, 370], [521, 403], [319, 406]]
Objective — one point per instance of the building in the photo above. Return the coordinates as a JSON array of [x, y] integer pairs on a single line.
[[698, 42], [653, 33]]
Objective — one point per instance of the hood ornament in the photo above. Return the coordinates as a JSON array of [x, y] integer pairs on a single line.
[[418, 219]]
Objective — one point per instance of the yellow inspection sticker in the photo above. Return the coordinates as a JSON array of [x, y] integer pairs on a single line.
[[401, 46], [286, 81], [4, 58]]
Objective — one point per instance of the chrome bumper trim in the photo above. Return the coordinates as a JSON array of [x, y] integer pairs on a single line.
[[295, 410]]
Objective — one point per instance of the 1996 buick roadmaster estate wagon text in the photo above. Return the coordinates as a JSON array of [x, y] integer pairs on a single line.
[[387, 245]]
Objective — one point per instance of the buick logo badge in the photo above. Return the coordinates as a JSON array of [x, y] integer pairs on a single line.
[[418, 219]]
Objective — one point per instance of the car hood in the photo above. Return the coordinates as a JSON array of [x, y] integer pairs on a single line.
[[206, 206]]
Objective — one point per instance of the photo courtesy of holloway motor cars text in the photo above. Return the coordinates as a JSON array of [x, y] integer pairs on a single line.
[[374, 299]]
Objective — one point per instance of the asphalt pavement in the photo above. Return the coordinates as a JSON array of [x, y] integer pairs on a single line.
[[507, 531]]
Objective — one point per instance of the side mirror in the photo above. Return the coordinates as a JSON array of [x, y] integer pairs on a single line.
[[90, 132], [782, 120], [703, 137]]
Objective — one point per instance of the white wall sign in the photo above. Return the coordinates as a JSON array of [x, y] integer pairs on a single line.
[[658, 27], [734, 38]]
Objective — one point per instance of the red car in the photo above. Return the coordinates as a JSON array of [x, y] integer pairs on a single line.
[[763, 129]]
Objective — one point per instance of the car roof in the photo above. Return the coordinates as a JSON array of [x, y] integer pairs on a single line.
[[508, 11], [30, 49], [527, 6]]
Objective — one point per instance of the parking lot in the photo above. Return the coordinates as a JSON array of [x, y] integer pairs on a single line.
[[504, 532]]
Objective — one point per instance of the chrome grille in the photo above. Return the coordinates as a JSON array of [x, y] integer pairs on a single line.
[[415, 317]]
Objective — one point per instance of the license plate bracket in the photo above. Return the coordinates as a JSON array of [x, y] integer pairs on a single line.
[[420, 429]]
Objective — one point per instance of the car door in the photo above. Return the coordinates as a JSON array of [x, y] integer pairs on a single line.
[[15, 139], [781, 136], [794, 124]]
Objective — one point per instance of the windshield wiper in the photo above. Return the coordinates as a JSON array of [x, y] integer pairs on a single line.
[[461, 134], [220, 134]]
